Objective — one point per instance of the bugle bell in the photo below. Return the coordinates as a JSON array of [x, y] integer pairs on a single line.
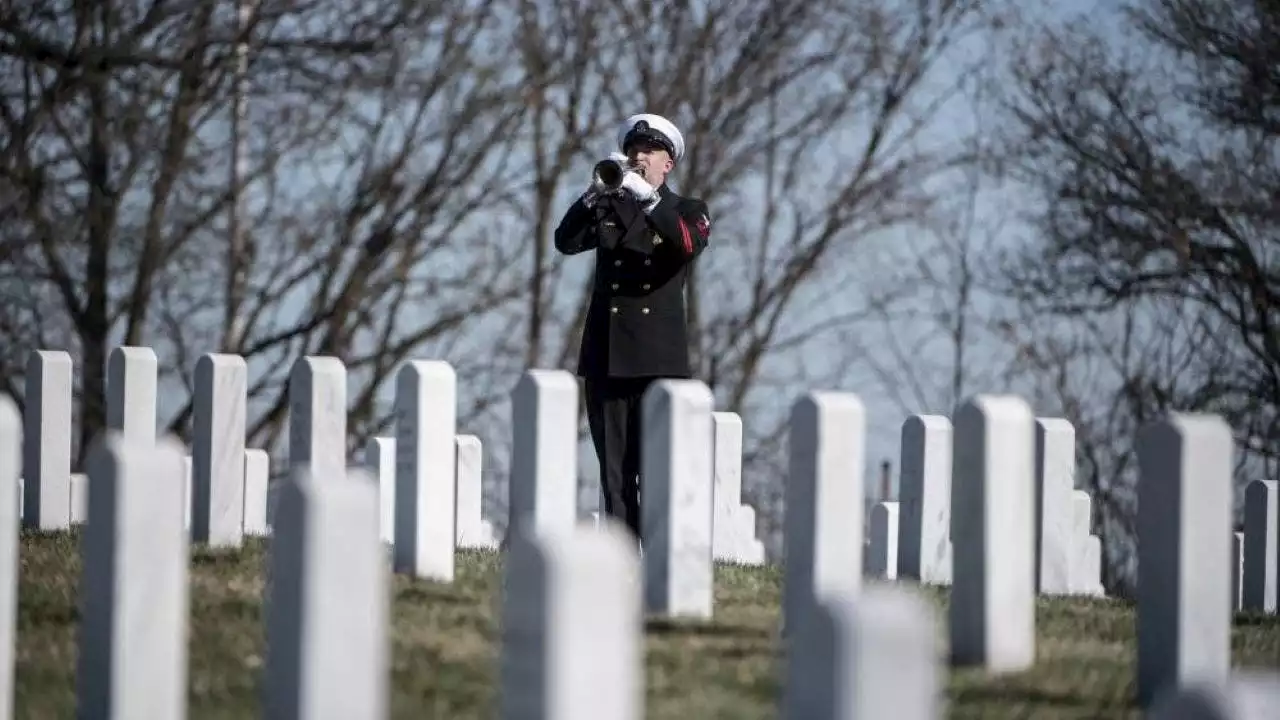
[[610, 173]]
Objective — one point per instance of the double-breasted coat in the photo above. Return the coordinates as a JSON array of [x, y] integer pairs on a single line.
[[636, 324]]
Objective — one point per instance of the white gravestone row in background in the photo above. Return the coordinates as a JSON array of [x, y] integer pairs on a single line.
[[543, 482], [1067, 556], [225, 497], [224, 483], [220, 382], [473, 530], [328, 599], [734, 522], [675, 459]]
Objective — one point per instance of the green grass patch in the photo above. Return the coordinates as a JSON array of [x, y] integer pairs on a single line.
[[446, 639]]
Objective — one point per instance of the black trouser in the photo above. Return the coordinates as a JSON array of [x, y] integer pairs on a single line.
[[613, 414]]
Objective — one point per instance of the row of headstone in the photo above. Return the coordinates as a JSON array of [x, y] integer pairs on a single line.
[[1184, 521], [733, 522], [1257, 550], [912, 537], [332, 654], [253, 513], [324, 531], [227, 494], [473, 530], [225, 485]]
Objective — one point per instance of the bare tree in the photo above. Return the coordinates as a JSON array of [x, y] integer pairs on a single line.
[[815, 145], [807, 127], [1153, 282], [374, 131], [406, 163]]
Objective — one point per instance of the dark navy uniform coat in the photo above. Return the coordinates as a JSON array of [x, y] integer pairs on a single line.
[[636, 325]]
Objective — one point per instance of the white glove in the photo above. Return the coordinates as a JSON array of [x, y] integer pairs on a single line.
[[633, 183]]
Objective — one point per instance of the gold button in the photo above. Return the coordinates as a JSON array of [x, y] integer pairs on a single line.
[[613, 309], [644, 310], [617, 263], [648, 262], [614, 286], [645, 286]]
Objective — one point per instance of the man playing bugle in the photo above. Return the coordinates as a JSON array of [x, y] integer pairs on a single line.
[[644, 235]]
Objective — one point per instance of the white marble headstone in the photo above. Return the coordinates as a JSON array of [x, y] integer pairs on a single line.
[[131, 393], [134, 578], [676, 505], [992, 608], [217, 452], [329, 602], [824, 501], [318, 416], [10, 518], [187, 495], [80, 498], [474, 531], [572, 626], [380, 460], [426, 423], [1086, 562], [1055, 479], [882, 561], [1184, 549], [46, 441], [867, 655], [1248, 695], [733, 526], [257, 484], [1237, 569], [924, 497], [542, 491], [1261, 545]]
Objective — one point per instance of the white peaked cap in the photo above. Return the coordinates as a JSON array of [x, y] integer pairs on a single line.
[[658, 124]]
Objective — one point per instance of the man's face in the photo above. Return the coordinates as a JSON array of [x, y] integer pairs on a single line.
[[652, 160]]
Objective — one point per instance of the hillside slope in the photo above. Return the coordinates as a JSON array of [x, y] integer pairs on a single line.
[[445, 646]]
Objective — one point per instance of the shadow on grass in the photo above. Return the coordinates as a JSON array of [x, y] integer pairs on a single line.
[[1252, 618], [665, 627], [1019, 695], [435, 593]]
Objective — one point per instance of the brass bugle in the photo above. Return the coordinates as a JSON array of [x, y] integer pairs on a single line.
[[610, 172]]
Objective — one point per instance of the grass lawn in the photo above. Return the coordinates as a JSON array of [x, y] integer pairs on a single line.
[[445, 646]]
